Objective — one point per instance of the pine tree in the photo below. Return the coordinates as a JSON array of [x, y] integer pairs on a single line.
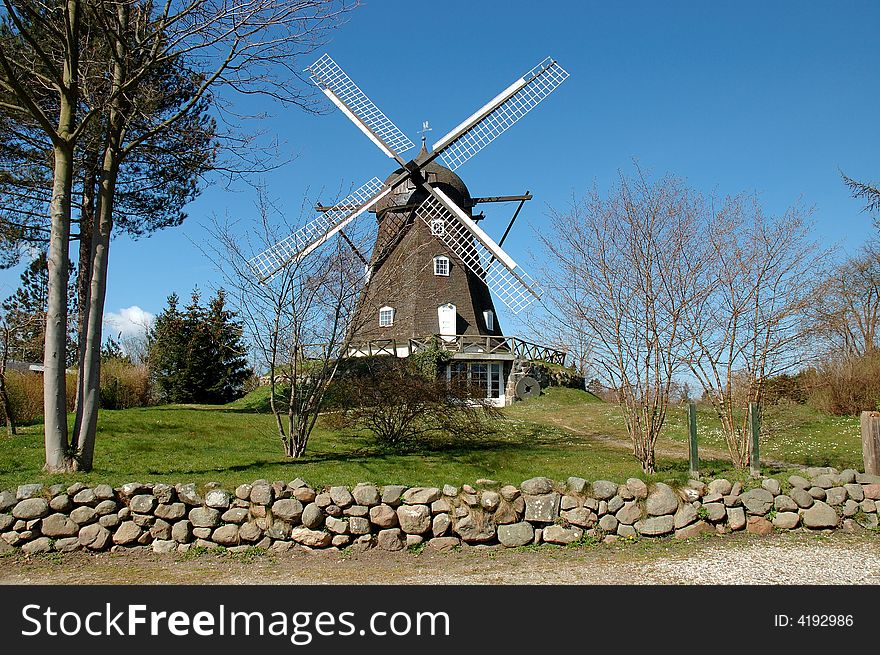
[[197, 355]]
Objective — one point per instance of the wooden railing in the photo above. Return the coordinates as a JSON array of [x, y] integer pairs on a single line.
[[463, 343]]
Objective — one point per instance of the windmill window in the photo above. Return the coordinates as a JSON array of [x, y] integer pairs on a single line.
[[438, 227], [489, 317], [441, 266], [386, 317]]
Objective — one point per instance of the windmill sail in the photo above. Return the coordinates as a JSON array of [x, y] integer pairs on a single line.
[[499, 114], [355, 104], [478, 251], [316, 232]]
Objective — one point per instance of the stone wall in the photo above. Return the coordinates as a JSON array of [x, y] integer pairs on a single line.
[[278, 516]]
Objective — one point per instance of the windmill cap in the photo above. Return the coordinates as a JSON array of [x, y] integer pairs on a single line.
[[436, 175]]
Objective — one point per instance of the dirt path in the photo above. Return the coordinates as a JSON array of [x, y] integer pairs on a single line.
[[795, 558]]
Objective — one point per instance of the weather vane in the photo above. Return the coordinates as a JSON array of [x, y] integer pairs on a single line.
[[424, 131]]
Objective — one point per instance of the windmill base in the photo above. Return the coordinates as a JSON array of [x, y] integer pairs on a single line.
[[499, 364]]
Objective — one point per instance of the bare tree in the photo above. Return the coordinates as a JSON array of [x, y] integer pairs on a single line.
[[299, 321], [846, 307], [624, 268], [760, 276]]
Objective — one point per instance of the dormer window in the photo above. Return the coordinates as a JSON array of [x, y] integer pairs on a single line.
[[441, 265], [386, 316], [489, 318]]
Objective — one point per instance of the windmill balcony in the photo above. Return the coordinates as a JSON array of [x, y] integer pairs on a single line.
[[464, 346]]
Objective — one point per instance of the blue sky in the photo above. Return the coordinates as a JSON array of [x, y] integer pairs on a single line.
[[762, 97]]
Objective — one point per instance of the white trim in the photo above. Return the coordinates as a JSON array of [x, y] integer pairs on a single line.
[[360, 210], [354, 119], [385, 310], [441, 259], [466, 124], [476, 230], [489, 319]]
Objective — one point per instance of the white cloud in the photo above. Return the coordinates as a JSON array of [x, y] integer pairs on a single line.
[[128, 322]]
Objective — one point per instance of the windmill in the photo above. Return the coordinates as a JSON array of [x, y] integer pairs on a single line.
[[427, 230]]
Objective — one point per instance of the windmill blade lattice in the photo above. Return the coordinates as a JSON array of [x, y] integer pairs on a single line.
[[328, 76], [514, 288], [316, 232], [497, 116]]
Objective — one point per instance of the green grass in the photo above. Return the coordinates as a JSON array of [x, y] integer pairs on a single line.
[[565, 432]]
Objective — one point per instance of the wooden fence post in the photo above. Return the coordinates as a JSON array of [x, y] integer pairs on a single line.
[[692, 438], [871, 442], [755, 430]]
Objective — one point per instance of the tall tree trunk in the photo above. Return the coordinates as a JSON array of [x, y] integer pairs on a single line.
[[84, 277], [55, 356], [113, 153], [91, 372]]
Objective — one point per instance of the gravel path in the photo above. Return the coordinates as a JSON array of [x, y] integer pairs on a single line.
[[735, 559]]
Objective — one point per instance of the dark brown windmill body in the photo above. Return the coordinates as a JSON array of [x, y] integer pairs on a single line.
[[416, 274], [433, 270]]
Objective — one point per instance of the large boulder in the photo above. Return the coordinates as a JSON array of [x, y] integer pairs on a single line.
[[421, 495], [537, 486], [655, 526], [312, 516], [757, 501], [759, 525], [311, 538], [38, 545], [59, 525], [604, 490], [786, 520], [182, 532], [440, 525], [341, 497], [7, 501], [820, 515], [580, 516], [226, 535], [801, 497], [720, 486], [204, 517], [218, 499], [685, 515], [694, 530], [390, 539], [31, 508], [188, 494], [142, 503], [127, 533], [383, 516], [367, 495], [172, 512], [262, 494], [629, 513], [542, 508], [476, 527], [736, 518], [637, 488], [26, 491], [557, 534], [288, 509], [414, 519], [662, 500]]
